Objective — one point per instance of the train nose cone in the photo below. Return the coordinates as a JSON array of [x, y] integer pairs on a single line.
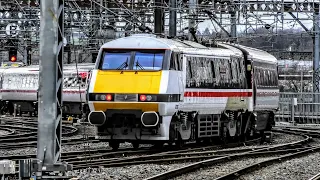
[[97, 118]]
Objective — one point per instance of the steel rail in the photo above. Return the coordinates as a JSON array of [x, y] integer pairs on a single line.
[[236, 174], [74, 154], [33, 143], [315, 177], [8, 130], [78, 164], [209, 162]]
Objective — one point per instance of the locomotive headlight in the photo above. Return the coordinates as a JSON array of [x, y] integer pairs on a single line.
[[103, 97], [149, 97], [100, 97]]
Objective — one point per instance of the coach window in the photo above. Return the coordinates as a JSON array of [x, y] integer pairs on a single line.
[[267, 78], [212, 68], [240, 65], [189, 71], [216, 73], [225, 73], [275, 78], [260, 77], [236, 70], [230, 70], [257, 76], [272, 78]]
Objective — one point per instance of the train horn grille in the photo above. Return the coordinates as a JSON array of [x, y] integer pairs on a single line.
[[126, 97]]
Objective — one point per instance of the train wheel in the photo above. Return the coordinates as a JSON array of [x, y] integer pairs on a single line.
[[239, 134], [207, 141], [179, 143], [135, 145], [158, 145], [225, 135], [171, 135], [247, 135], [114, 145]]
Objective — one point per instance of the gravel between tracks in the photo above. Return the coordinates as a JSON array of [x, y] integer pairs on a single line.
[[89, 131], [3, 132], [222, 168], [280, 138], [299, 168], [129, 172], [147, 170]]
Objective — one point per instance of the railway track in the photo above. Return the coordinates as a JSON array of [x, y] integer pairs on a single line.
[[289, 149], [108, 158], [202, 156], [167, 157], [7, 130], [315, 177], [76, 154], [66, 130], [6, 118], [124, 151], [256, 166], [33, 142], [23, 135]]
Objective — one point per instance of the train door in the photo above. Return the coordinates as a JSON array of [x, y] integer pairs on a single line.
[[242, 85], [254, 80], [250, 85]]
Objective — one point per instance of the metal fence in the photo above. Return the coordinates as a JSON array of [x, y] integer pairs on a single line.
[[302, 108]]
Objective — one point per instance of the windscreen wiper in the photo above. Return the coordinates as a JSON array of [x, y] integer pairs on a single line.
[[139, 65], [123, 65]]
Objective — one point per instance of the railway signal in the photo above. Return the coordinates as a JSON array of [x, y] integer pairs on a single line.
[[13, 55]]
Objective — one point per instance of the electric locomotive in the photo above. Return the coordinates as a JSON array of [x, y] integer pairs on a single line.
[[148, 89]]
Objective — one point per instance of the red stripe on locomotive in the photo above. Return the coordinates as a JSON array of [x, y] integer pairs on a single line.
[[217, 94]]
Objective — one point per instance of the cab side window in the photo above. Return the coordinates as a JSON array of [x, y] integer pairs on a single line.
[[173, 62]]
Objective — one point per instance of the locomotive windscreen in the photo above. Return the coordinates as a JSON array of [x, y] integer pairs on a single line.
[[132, 60]]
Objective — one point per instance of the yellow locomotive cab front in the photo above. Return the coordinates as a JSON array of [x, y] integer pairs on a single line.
[[126, 86], [127, 82]]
